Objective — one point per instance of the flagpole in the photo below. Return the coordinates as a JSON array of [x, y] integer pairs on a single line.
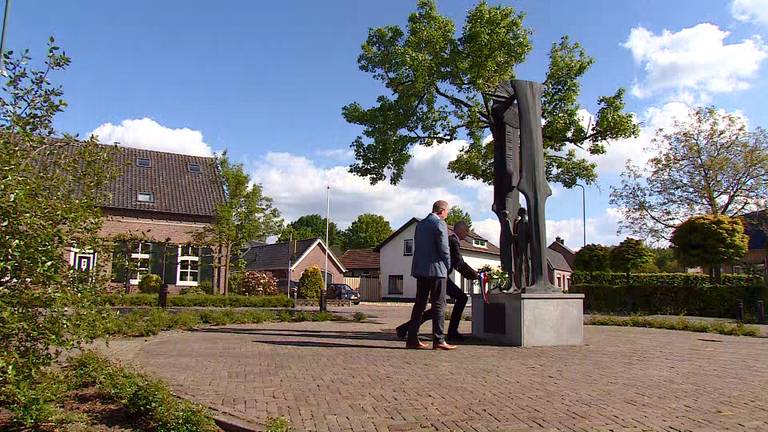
[[327, 224]]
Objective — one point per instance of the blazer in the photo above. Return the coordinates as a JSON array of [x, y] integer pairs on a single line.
[[457, 261], [431, 254]]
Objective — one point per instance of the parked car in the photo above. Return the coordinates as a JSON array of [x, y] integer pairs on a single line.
[[342, 291]]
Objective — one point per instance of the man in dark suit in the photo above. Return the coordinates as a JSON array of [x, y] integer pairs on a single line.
[[430, 265], [460, 232]]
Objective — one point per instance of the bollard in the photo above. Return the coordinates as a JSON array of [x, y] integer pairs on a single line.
[[162, 299], [760, 311], [740, 311]]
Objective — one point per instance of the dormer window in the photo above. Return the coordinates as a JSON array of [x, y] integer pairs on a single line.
[[194, 168], [143, 162], [146, 197], [479, 243]]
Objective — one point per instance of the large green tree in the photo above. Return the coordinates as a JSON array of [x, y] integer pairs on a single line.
[[710, 241], [456, 214], [709, 164], [50, 192], [312, 226], [437, 91], [367, 231], [246, 214], [592, 258], [630, 255]]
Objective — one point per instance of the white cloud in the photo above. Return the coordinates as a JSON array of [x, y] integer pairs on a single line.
[[601, 229], [750, 11], [636, 149], [147, 134], [694, 59], [340, 154]]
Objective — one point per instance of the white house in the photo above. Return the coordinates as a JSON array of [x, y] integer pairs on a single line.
[[396, 252]]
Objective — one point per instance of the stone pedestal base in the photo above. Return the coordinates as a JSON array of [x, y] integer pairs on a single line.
[[529, 319]]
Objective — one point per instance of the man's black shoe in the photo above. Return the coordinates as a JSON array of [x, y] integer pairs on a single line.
[[456, 337], [401, 334]]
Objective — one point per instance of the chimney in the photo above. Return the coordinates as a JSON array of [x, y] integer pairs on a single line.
[[560, 240]]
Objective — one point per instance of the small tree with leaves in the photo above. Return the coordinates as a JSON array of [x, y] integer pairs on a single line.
[[246, 214], [710, 241], [312, 226], [593, 258], [50, 192], [310, 283], [630, 255], [456, 214]]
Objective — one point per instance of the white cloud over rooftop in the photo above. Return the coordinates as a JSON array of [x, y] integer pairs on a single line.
[[148, 134]]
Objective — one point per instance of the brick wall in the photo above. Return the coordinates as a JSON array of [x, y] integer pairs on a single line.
[[317, 257]]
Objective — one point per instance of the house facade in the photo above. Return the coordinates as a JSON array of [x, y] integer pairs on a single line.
[[287, 260], [156, 204], [396, 253]]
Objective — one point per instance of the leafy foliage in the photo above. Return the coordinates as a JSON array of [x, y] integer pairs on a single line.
[[150, 284], [246, 214], [310, 283], [710, 241], [367, 231], [710, 165], [630, 255], [680, 323], [593, 257], [258, 284], [198, 300], [437, 88], [456, 214], [312, 226], [50, 189]]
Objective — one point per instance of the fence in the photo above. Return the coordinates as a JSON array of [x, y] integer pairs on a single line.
[[367, 287]]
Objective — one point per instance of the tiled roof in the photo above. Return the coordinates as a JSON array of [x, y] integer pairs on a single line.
[[175, 188], [557, 261], [360, 259], [275, 256], [466, 244], [756, 228]]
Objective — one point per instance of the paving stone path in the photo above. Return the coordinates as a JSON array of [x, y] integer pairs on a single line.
[[347, 376]]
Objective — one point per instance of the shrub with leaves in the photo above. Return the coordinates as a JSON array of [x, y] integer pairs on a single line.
[[310, 283], [150, 284], [593, 257], [710, 241], [630, 255], [50, 190], [257, 284]]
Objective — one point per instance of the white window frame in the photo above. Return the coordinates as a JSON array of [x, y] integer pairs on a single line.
[[479, 243], [150, 195], [405, 247], [138, 256], [74, 253], [189, 258]]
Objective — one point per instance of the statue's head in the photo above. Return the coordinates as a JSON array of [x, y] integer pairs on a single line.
[[522, 214]]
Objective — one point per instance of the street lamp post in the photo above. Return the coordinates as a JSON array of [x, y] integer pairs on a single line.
[[2, 37], [327, 223], [583, 212]]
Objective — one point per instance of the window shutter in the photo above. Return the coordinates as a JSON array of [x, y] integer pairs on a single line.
[[119, 263], [171, 262], [156, 259], [206, 265]]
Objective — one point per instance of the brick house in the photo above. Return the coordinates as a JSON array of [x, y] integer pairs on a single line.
[[288, 261], [155, 205], [361, 263]]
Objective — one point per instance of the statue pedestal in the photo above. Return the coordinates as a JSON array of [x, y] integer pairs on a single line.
[[529, 319]]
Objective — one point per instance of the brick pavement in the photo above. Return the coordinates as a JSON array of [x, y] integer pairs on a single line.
[[345, 376]]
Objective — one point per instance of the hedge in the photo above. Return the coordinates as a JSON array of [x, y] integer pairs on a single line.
[[199, 300], [668, 293]]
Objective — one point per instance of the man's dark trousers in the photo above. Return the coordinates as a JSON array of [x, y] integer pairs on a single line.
[[434, 289], [453, 291]]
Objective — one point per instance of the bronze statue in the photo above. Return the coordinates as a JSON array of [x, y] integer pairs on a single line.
[[519, 168]]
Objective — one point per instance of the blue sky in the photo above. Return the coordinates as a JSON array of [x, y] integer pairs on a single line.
[[267, 80]]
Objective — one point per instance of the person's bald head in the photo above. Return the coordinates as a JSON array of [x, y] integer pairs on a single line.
[[440, 208], [461, 229]]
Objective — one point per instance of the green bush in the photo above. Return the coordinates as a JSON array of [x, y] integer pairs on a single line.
[[668, 293], [279, 424], [150, 284], [206, 287], [360, 316], [310, 283], [199, 300], [193, 290], [141, 395], [734, 329]]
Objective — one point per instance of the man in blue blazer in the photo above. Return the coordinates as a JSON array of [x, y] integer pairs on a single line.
[[430, 266]]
